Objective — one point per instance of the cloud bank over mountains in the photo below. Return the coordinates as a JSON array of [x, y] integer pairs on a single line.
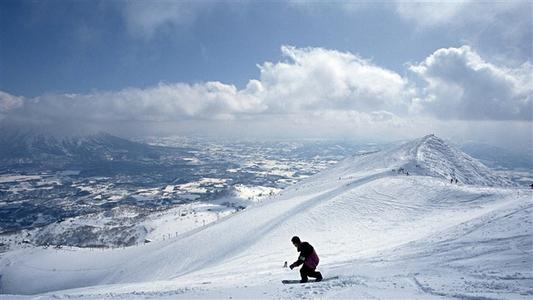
[[452, 83], [311, 92]]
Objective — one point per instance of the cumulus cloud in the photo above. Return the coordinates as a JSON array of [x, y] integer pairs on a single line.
[[9, 102], [309, 92], [164, 102], [317, 78], [462, 85], [307, 80]]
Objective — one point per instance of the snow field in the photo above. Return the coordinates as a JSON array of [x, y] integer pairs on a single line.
[[386, 235]]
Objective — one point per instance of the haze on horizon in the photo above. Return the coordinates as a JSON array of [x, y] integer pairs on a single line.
[[384, 71]]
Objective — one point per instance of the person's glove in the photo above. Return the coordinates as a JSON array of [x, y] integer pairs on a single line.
[[291, 266]]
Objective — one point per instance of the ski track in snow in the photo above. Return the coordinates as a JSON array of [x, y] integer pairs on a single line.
[[386, 235]]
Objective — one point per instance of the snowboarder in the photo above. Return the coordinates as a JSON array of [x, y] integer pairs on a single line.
[[308, 258]]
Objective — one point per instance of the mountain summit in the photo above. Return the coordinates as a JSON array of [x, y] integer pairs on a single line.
[[438, 159], [428, 156]]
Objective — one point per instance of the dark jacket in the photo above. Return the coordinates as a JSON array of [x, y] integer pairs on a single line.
[[307, 256]]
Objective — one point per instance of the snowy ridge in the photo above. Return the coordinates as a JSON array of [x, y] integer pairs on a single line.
[[384, 234], [439, 159], [427, 156]]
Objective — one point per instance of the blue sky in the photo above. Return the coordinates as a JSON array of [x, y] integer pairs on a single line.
[[234, 63], [79, 46]]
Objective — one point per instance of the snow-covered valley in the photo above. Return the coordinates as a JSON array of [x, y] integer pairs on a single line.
[[104, 201], [390, 225]]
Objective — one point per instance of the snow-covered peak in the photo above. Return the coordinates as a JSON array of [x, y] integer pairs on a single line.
[[437, 158], [427, 156]]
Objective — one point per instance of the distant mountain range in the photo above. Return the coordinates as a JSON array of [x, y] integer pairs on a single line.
[[29, 149]]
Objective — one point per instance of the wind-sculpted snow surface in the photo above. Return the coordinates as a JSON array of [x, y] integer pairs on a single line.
[[385, 234], [442, 160], [428, 156]]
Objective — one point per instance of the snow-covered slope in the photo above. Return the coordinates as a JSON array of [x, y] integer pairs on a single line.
[[428, 156], [383, 233]]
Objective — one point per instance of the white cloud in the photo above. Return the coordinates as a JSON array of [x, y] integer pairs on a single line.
[[312, 92], [462, 85], [164, 102], [309, 79], [317, 78], [457, 84], [9, 102]]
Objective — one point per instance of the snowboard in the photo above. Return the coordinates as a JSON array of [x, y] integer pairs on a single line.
[[310, 281]]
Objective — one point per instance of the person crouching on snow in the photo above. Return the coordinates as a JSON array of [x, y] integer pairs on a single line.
[[308, 258]]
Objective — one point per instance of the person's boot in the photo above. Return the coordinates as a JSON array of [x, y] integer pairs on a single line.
[[318, 277]]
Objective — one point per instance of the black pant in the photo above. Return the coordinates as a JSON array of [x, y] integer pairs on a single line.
[[307, 271]]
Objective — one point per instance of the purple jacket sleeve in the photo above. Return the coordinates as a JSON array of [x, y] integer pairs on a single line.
[[305, 250]]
